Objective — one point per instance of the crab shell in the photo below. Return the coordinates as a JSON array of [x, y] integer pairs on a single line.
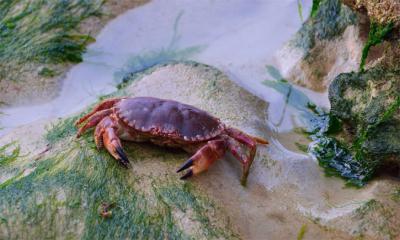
[[167, 118]]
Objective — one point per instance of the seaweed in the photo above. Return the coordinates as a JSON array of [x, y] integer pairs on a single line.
[[376, 35], [315, 7], [170, 53], [301, 147], [139, 63], [62, 195], [302, 232], [338, 160], [43, 32], [365, 132], [47, 72], [396, 195], [293, 97], [9, 153], [60, 130], [300, 10]]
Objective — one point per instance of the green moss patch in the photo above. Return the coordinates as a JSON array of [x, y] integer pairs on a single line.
[[61, 129], [9, 153], [42, 32]]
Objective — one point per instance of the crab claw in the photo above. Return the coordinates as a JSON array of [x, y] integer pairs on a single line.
[[123, 159], [203, 158], [113, 143], [186, 165]]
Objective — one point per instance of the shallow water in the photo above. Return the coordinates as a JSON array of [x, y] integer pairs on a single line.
[[238, 37]]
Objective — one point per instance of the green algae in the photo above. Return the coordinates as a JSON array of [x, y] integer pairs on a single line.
[[300, 10], [377, 33], [315, 7], [184, 198], [57, 194], [301, 147], [365, 133], [293, 97], [9, 153], [302, 232], [147, 60], [139, 63], [349, 161], [61, 129], [47, 72], [337, 158], [396, 195], [42, 32]]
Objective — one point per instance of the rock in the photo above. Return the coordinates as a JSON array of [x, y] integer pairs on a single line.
[[369, 104], [383, 11], [57, 193], [327, 44]]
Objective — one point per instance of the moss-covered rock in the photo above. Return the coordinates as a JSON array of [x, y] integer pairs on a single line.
[[40, 40], [369, 105], [57, 186], [332, 49]]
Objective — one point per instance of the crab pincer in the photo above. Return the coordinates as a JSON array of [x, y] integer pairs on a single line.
[[203, 158]]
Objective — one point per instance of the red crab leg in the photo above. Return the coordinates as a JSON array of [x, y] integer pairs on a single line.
[[94, 120], [112, 142], [203, 158], [250, 142], [106, 104]]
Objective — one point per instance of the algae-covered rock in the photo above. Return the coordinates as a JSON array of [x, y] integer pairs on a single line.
[[53, 185], [369, 104], [332, 50]]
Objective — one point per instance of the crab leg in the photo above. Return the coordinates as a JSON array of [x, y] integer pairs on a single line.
[[94, 120], [106, 104], [111, 141], [203, 158], [250, 142]]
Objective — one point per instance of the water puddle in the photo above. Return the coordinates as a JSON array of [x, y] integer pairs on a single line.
[[237, 37]]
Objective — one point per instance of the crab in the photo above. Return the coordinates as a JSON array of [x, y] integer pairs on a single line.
[[172, 124]]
